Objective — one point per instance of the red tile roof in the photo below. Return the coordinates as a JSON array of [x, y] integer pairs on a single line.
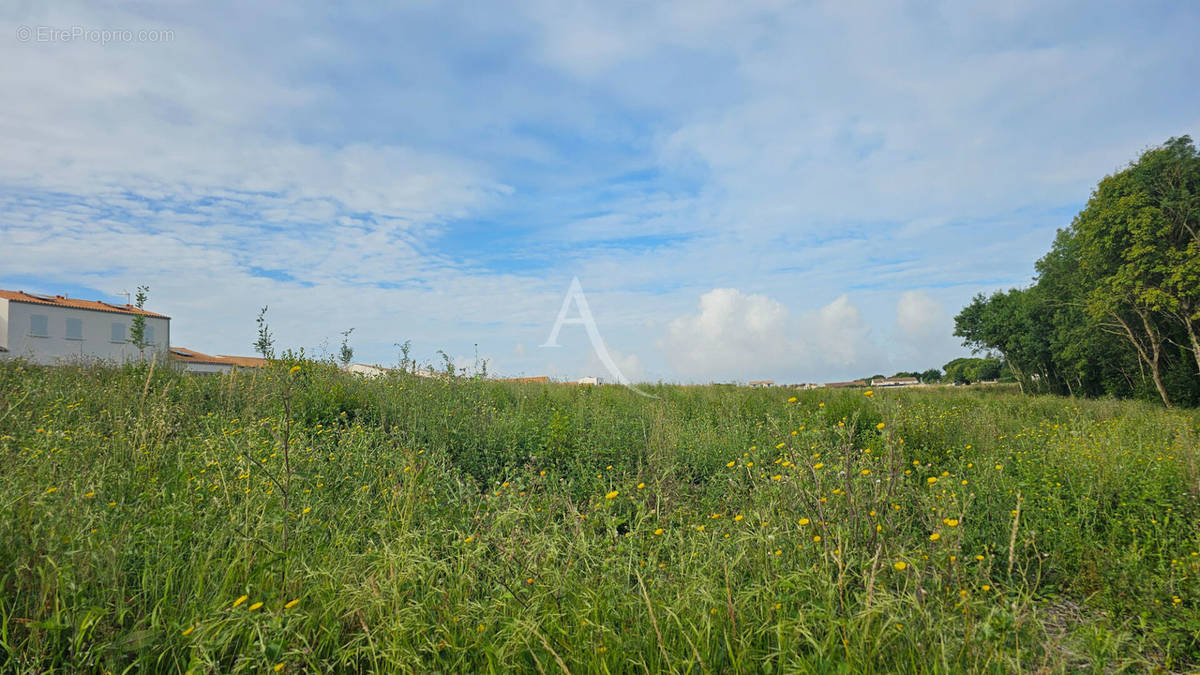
[[244, 361], [184, 355], [72, 303]]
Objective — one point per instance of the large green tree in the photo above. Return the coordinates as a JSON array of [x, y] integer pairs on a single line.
[[1137, 246], [1116, 304]]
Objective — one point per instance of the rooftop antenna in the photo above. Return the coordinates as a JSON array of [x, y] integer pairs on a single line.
[[124, 293]]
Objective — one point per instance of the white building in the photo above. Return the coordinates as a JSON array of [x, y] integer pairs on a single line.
[[50, 329], [895, 382], [367, 371], [590, 380]]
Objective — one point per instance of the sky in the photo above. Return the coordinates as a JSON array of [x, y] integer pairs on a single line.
[[797, 191]]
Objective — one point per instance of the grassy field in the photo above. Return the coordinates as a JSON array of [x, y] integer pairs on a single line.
[[301, 520]]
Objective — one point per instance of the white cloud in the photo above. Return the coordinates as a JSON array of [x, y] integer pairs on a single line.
[[794, 152], [742, 336], [919, 317], [840, 334], [924, 331], [629, 365], [732, 336]]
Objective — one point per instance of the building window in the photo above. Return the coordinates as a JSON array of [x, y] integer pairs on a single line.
[[39, 325], [148, 335], [74, 329], [118, 332]]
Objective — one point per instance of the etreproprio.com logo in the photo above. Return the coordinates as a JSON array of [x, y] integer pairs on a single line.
[[101, 36]]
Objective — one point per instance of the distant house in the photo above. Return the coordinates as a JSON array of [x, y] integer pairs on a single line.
[[805, 385], [759, 384], [245, 361], [895, 382], [589, 380], [367, 370], [201, 364], [192, 361], [845, 385], [540, 379], [51, 329]]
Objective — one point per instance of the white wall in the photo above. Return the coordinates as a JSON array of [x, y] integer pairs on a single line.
[[3, 325], [365, 370], [97, 335], [206, 368]]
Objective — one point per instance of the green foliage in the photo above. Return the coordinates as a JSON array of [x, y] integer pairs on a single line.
[[346, 353], [967, 370], [463, 525], [1116, 306], [137, 328], [265, 344], [930, 376]]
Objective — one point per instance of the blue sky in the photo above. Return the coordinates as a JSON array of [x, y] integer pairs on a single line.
[[798, 191]]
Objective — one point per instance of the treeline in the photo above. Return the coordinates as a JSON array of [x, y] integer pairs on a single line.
[[964, 370], [1115, 306]]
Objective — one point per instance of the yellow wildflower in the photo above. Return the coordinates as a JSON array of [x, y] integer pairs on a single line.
[[612, 495], [292, 604], [293, 370], [255, 606], [240, 600], [900, 565]]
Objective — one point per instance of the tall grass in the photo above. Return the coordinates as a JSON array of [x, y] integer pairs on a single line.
[[482, 526]]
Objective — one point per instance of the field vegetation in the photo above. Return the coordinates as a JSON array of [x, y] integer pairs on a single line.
[[298, 519]]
